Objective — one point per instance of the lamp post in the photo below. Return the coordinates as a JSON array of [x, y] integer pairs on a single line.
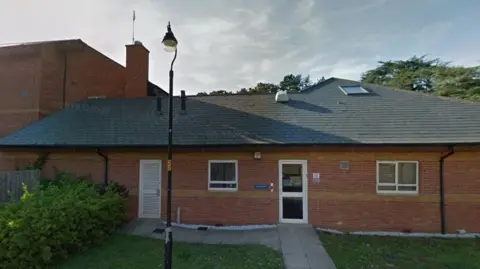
[[170, 43]]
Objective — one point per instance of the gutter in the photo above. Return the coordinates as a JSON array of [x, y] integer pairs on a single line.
[[443, 220], [259, 145], [105, 158]]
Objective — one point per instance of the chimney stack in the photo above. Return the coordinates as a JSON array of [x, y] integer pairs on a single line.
[[183, 101], [136, 77]]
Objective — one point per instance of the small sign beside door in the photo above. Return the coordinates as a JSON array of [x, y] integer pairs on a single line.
[[316, 178], [261, 186]]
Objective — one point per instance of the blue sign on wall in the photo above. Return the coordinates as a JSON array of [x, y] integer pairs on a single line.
[[261, 186]]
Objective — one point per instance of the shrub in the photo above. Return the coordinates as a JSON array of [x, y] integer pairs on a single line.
[[56, 221]]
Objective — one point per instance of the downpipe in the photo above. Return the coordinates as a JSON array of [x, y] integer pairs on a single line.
[[443, 219]]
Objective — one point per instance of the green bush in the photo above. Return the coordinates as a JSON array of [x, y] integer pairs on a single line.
[[56, 221]]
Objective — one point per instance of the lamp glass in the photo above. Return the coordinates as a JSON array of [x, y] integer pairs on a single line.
[[170, 45]]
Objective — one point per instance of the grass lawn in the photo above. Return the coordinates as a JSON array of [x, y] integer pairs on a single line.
[[128, 252], [362, 252]]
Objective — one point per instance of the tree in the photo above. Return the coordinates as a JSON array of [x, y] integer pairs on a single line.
[[295, 83], [427, 75], [461, 82], [264, 88], [414, 74], [220, 92], [290, 83]]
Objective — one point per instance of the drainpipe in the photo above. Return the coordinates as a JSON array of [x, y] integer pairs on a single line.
[[105, 158], [443, 220]]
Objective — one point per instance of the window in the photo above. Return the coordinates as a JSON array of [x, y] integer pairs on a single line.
[[351, 90], [223, 175], [397, 177]]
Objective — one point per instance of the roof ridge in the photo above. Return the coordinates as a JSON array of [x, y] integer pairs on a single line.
[[235, 94], [328, 80]]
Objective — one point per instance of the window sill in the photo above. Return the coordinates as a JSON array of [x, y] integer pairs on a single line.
[[222, 190], [398, 193]]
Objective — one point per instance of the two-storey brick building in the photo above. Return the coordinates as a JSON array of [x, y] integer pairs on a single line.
[[40, 78]]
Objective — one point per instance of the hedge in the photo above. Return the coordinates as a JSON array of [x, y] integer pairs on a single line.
[[57, 221]]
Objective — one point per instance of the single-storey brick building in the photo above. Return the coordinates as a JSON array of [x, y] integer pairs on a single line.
[[340, 155]]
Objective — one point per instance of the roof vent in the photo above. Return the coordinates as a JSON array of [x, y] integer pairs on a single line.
[[137, 42], [281, 97]]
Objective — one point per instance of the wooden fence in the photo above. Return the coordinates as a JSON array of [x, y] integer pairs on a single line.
[[11, 183]]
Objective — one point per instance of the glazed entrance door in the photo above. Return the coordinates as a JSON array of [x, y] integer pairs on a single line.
[[293, 191]]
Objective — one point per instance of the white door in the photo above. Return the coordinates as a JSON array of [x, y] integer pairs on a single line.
[[150, 188], [293, 191]]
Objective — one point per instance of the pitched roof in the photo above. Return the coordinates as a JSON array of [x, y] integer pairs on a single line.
[[322, 114]]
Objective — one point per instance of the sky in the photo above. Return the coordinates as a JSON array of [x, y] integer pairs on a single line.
[[230, 44]]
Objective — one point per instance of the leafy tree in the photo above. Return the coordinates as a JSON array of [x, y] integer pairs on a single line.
[[414, 74], [264, 88], [290, 83], [295, 83], [220, 92], [460, 82], [427, 75]]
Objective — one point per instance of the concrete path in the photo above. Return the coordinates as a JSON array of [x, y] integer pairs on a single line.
[[299, 244], [301, 248]]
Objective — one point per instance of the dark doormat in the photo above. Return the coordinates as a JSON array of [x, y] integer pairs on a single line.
[[159, 231]]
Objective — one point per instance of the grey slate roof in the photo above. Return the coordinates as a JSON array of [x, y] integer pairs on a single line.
[[322, 114]]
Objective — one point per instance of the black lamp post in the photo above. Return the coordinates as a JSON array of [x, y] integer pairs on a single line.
[[170, 43]]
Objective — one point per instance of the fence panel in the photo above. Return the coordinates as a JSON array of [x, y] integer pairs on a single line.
[[11, 184]]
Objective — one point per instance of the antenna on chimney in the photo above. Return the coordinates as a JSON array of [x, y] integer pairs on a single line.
[[133, 28]]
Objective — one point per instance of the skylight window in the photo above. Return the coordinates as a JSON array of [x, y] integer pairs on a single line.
[[353, 90]]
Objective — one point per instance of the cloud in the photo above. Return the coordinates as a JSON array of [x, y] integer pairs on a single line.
[[238, 43], [309, 62], [203, 78], [304, 8], [433, 33], [358, 7], [348, 69]]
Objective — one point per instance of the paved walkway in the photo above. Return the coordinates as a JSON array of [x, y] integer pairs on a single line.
[[299, 244], [301, 248]]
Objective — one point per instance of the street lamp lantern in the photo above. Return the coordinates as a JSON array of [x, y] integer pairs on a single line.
[[169, 40], [170, 43]]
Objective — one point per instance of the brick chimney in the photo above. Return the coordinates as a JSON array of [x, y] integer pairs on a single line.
[[136, 78]]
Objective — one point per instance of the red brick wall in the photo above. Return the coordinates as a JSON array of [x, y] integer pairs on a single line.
[[347, 199], [344, 199], [462, 188], [32, 80], [19, 86], [90, 73], [51, 79]]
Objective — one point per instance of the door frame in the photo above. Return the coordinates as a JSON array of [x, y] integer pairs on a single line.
[[303, 194], [140, 187]]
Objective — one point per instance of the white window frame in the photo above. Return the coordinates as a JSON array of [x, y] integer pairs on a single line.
[[396, 184], [210, 162]]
